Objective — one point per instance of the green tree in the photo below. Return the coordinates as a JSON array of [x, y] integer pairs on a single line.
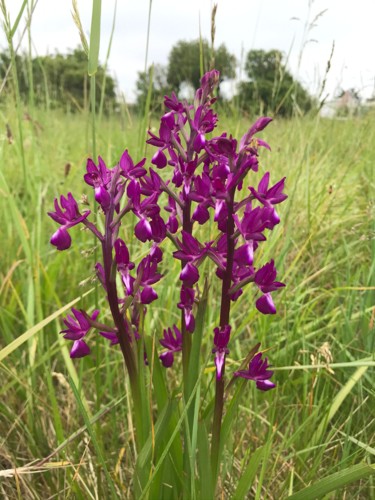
[[270, 87], [60, 80], [184, 63]]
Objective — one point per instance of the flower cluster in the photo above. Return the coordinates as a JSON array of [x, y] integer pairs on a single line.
[[208, 181]]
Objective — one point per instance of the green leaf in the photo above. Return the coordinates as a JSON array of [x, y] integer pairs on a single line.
[[204, 462], [248, 475], [172, 438], [161, 427], [334, 482]]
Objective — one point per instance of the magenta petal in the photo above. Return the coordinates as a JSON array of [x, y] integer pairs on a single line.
[[263, 144], [110, 336], [102, 197], [265, 304], [172, 224], [259, 125], [265, 385], [79, 349], [244, 255], [189, 322], [148, 295], [126, 163], [189, 274], [199, 143], [263, 184], [219, 362], [201, 214], [143, 231], [133, 191], [61, 239], [168, 120], [156, 254], [167, 359], [159, 159]]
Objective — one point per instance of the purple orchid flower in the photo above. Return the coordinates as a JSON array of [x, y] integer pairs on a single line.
[[68, 216], [265, 280], [99, 177], [77, 328], [173, 103], [112, 336], [128, 169], [258, 371], [203, 195], [265, 304], [259, 125], [147, 275], [186, 303], [189, 274], [151, 184], [173, 343], [124, 265], [191, 250], [172, 223], [147, 208], [221, 340], [271, 196]]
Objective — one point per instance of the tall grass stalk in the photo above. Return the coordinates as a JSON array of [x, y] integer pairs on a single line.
[[105, 66], [10, 31]]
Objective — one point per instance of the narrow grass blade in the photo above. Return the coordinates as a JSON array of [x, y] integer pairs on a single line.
[[204, 462], [334, 482], [349, 364], [18, 19], [362, 445], [148, 32], [337, 402], [90, 430], [102, 94], [94, 37], [160, 427], [81, 430], [15, 215]]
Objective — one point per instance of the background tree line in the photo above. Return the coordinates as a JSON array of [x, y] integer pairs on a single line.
[[61, 80], [269, 87], [58, 81]]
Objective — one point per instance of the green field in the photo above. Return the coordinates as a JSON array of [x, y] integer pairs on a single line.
[[319, 421]]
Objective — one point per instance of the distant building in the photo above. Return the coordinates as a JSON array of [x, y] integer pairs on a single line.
[[346, 104], [369, 103]]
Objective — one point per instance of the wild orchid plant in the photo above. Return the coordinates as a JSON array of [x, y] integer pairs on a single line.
[[207, 179]]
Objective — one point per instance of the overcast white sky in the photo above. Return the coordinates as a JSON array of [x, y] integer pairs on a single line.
[[240, 24]]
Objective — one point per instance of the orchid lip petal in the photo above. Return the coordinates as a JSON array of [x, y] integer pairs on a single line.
[[79, 349]]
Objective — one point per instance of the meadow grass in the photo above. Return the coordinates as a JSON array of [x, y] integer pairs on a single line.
[[319, 421], [66, 428]]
